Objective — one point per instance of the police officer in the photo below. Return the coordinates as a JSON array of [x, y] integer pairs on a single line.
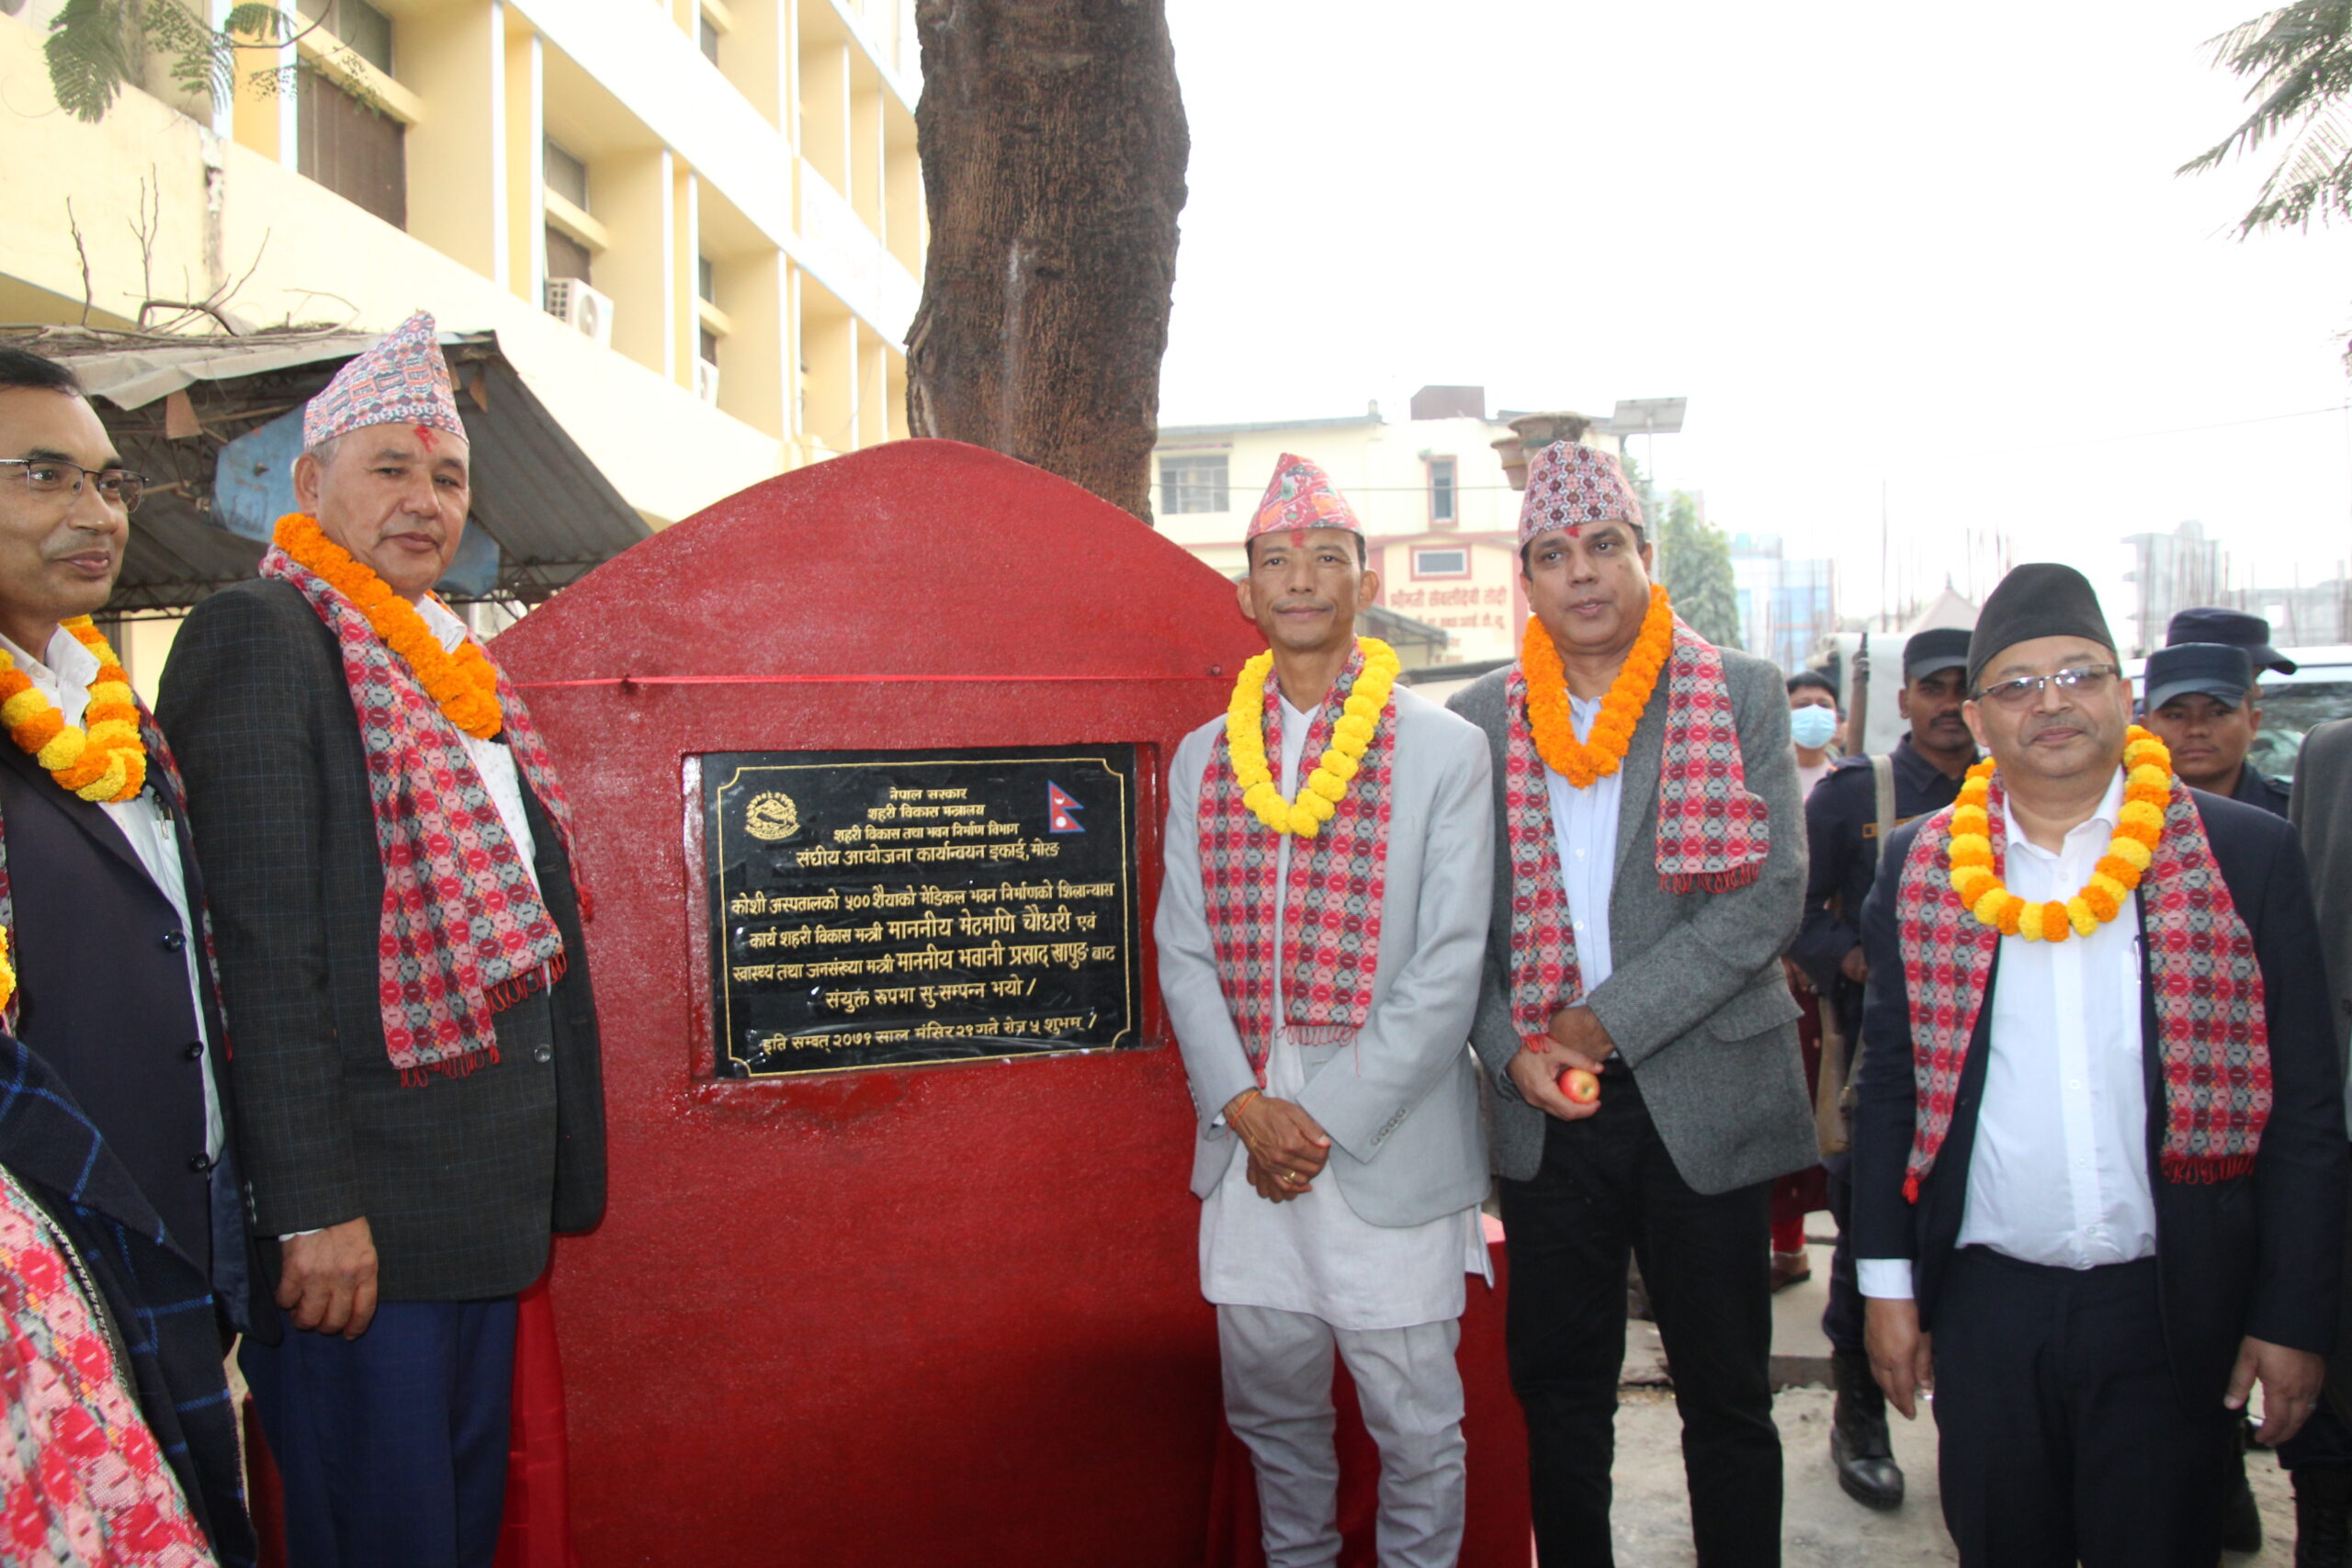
[[2200, 697], [2232, 626], [1846, 819], [2207, 625]]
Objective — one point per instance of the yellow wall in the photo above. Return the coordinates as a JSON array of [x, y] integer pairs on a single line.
[[684, 161]]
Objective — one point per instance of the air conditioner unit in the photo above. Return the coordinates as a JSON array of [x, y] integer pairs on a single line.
[[707, 381], [581, 309]]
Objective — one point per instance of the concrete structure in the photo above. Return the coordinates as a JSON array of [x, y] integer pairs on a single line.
[[1786, 606], [1442, 522], [735, 180], [2183, 569]]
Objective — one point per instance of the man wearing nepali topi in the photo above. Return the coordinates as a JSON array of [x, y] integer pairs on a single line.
[[1320, 931], [2099, 1153], [1633, 1018], [390, 856]]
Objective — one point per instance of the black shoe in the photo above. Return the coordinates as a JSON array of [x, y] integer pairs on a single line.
[[1858, 1444], [2240, 1520], [2322, 1517]]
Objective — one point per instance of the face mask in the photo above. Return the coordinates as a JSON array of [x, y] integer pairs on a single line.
[[1811, 727]]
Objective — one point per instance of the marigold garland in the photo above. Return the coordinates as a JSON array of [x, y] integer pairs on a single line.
[[8, 972], [1327, 785], [2147, 787], [463, 683], [1582, 761], [105, 761]]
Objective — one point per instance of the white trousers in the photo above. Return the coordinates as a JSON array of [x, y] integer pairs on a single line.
[[1277, 1369]]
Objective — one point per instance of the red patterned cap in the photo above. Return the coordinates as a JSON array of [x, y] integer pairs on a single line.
[[402, 380], [1569, 485], [1301, 497]]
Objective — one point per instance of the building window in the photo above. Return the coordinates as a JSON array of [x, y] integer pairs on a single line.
[[352, 148], [567, 258], [707, 36], [357, 26], [1441, 493], [566, 175], [705, 279], [707, 346], [1442, 563], [1192, 484]]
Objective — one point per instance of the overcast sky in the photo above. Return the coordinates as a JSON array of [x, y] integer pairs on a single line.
[[1938, 252]]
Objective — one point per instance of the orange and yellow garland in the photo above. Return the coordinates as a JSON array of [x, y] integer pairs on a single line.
[[1582, 761], [105, 761], [463, 683], [2147, 787]]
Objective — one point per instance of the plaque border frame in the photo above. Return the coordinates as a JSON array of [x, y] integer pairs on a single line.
[[723, 1018]]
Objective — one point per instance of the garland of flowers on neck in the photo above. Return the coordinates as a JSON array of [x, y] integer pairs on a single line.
[[1326, 785], [105, 761], [2147, 787], [1582, 761], [462, 683]]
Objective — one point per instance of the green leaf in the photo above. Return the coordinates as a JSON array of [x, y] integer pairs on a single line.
[[89, 56]]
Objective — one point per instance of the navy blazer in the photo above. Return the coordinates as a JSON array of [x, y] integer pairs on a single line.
[[102, 996], [2258, 1255]]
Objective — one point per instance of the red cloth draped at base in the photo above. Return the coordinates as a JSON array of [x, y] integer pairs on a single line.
[[536, 1531]]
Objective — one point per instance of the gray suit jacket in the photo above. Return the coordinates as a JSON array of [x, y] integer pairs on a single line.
[[1401, 1107], [1696, 1001]]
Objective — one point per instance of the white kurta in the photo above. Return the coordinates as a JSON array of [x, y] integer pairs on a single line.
[[64, 679], [1313, 1254]]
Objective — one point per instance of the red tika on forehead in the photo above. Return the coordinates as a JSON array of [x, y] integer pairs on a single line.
[[425, 437]]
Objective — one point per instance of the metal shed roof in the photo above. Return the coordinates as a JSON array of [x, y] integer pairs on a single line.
[[172, 404]]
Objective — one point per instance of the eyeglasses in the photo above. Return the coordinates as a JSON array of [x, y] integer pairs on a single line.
[[2087, 678], [54, 476]]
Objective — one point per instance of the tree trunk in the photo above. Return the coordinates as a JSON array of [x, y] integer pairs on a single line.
[[1053, 147]]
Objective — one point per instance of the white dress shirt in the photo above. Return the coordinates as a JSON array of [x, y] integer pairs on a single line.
[[64, 679], [1584, 824], [491, 759], [2059, 1174], [1312, 1254]]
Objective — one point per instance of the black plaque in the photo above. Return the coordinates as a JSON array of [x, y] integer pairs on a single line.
[[891, 909]]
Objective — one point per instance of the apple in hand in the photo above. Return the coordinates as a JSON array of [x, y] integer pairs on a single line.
[[1580, 1086]]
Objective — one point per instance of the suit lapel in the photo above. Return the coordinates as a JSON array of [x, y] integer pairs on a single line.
[[92, 819], [1645, 759]]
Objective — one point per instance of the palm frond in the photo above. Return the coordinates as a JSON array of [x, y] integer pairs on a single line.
[[2299, 62]]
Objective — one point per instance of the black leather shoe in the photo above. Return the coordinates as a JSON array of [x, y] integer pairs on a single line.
[[2322, 1517], [1858, 1444]]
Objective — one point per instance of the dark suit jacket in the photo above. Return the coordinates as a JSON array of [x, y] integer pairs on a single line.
[[460, 1180], [2256, 1256], [102, 996], [2321, 810]]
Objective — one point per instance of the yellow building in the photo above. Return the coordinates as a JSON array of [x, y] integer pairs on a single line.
[[695, 227], [1441, 518]]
